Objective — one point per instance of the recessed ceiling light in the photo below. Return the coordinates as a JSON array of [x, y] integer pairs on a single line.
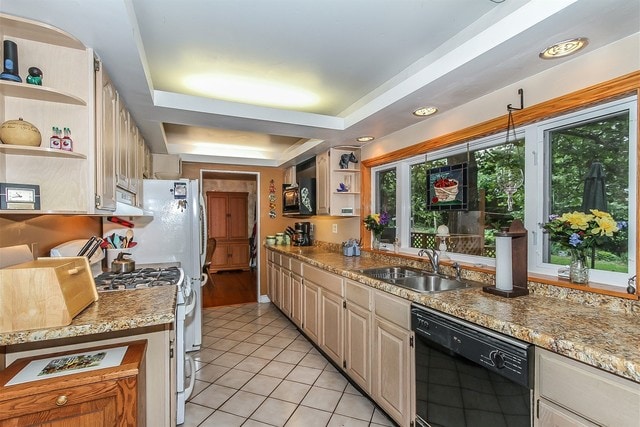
[[365, 138], [425, 111], [564, 48]]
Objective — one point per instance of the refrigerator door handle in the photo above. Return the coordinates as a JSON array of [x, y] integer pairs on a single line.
[[204, 279]]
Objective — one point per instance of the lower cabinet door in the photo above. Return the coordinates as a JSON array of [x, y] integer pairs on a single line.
[[310, 320], [391, 370], [331, 325], [296, 299], [358, 345]]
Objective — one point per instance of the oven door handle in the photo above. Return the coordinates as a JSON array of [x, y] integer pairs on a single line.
[[188, 360], [189, 308]]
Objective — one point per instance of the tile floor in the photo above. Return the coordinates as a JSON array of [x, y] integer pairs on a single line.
[[256, 369]]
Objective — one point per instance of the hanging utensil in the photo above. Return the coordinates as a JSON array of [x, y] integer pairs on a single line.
[[128, 237]]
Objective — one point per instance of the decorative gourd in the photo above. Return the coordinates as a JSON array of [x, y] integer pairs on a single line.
[[20, 132]]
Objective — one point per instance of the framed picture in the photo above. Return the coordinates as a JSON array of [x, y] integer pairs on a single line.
[[447, 188]]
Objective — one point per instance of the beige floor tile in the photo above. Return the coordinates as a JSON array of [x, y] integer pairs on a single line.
[[262, 384], [251, 327], [277, 369], [313, 361], [280, 342], [207, 341], [274, 411], [291, 391], [342, 421], [331, 380], [223, 419], [243, 403], [299, 345], [308, 417], [215, 323], [235, 378], [289, 333], [330, 368], [271, 330], [254, 423], [303, 374], [195, 414], [245, 348], [258, 338], [228, 359], [290, 356], [266, 352], [224, 344], [380, 418], [220, 332], [252, 364], [352, 390], [239, 335], [214, 396], [198, 387], [355, 406], [322, 398], [210, 373], [206, 354]]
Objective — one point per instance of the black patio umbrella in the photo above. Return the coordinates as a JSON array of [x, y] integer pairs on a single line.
[[594, 195]]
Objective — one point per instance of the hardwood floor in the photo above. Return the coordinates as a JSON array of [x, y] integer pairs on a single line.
[[230, 287]]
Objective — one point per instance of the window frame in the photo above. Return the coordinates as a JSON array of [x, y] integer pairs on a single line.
[[533, 134]]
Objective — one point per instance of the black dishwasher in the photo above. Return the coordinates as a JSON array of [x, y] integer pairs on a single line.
[[469, 376]]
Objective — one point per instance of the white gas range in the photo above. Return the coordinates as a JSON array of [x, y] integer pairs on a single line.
[[148, 277]]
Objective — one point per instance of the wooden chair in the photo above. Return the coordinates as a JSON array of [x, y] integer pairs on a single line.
[[211, 248]]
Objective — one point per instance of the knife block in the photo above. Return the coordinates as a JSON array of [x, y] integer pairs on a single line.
[[45, 293]]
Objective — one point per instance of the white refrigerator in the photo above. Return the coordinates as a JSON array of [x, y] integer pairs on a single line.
[[175, 234]]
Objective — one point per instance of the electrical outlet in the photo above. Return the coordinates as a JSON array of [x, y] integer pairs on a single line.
[[334, 228]]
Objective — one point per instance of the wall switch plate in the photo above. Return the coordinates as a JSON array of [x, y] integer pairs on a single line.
[[334, 228]]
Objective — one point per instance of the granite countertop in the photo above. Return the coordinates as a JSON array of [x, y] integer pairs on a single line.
[[599, 336], [114, 311]]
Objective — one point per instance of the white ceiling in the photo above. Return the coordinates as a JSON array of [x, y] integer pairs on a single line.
[[367, 63]]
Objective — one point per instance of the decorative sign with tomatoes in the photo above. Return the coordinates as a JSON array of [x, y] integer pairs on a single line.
[[447, 187]]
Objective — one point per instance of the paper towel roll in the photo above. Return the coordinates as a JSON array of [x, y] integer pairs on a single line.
[[504, 268]]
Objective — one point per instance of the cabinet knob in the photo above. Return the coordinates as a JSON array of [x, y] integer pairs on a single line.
[[62, 400]]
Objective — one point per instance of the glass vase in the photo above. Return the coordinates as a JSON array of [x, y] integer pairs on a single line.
[[579, 267], [375, 244]]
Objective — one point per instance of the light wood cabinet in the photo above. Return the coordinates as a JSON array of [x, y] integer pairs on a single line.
[[332, 325], [65, 100], [228, 223], [570, 393], [338, 190], [106, 135], [285, 285], [104, 397], [322, 183], [296, 299], [357, 333], [310, 312], [392, 356]]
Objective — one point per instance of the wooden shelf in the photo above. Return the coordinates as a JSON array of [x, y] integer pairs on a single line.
[[26, 29], [347, 170], [38, 93], [39, 151], [346, 192]]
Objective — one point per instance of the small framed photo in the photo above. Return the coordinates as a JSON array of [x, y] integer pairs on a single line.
[[447, 188], [180, 190]]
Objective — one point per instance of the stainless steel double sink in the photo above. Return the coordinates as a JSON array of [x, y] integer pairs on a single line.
[[414, 279]]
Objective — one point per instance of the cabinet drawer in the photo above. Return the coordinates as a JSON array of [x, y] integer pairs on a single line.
[[271, 255], [393, 309], [594, 394], [325, 280], [285, 262], [296, 267], [358, 294]]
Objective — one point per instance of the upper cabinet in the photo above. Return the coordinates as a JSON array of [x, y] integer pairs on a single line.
[[107, 150], [338, 182], [64, 100]]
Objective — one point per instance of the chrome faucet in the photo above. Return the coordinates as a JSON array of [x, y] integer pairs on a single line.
[[457, 268], [433, 257]]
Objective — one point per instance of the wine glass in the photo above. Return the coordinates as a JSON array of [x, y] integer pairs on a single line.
[[509, 180]]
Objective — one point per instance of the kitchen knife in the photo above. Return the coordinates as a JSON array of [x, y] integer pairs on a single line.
[[94, 248], [86, 246]]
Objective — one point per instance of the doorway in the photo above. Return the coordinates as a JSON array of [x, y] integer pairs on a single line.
[[233, 286]]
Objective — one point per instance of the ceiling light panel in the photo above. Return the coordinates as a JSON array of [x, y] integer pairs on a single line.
[[564, 48]]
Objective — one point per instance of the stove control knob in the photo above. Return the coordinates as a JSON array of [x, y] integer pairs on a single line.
[[497, 358]]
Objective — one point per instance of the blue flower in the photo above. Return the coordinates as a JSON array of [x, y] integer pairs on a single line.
[[575, 240], [622, 225]]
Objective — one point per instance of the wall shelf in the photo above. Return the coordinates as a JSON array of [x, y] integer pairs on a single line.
[[38, 93], [39, 151]]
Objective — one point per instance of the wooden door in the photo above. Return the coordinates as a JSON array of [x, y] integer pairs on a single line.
[[296, 299], [217, 209], [237, 216], [331, 325], [358, 345], [310, 324]]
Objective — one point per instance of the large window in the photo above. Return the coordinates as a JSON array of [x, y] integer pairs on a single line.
[[557, 156]]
